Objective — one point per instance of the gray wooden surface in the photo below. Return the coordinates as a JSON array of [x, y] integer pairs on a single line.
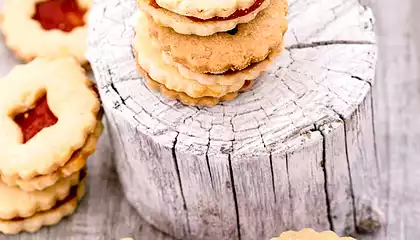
[[104, 214], [397, 114], [294, 151]]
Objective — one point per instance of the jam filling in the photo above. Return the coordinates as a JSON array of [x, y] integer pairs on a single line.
[[34, 120], [246, 84], [59, 14], [237, 14]]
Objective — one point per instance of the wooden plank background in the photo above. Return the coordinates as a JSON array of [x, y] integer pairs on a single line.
[[104, 214]]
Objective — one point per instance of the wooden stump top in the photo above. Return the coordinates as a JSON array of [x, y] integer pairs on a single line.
[[324, 74], [294, 151]]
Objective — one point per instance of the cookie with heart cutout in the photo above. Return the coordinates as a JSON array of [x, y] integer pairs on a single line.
[[46, 28], [192, 22], [229, 51], [46, 118], [75, 164]]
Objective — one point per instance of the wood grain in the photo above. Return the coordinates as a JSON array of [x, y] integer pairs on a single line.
[[264, 163], [104, 214], [396, 113]]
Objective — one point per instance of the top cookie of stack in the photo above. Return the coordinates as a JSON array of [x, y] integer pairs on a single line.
[[50, 123], [203, 18], [203, 52]]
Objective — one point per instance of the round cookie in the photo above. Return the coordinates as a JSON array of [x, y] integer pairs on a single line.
[[50, 217], [17, 203], [250, 73], [150, 59], [46, 28], [187, 100], [75, 164], [310, 234], [205, 9], [191, 25], [221, 52], [48, 115]]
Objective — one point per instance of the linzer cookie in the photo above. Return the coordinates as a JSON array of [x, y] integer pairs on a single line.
[[47, 28], [187, 100], [17, 203], [236, 50], [149, 58], [202, 18], [46, 119], [250, 73], [75, 164], [182, 52], [309, 234], [62, 208]]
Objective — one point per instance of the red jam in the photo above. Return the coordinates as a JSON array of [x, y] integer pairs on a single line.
[[59, 14], [246, 84], [237, 14], [34, 120]]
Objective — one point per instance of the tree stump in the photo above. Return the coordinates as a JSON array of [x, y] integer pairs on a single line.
[[295, 151]]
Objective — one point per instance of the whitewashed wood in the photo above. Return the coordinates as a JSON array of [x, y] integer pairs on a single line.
[[339, 187], [364, 174], [307, 189], [396, 110], [396, 113], [397, 39], [227, 167], [160, 196], [215, 198], [400, 206]]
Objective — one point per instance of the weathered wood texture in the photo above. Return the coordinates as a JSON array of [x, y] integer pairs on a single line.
[[396, 114], [104, 214], [295, 151]]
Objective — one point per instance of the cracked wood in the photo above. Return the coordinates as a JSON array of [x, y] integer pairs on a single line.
[[264, 163], [279, 157], [300, 119]]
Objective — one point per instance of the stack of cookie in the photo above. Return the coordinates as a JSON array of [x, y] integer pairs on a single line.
[[203, 52], [49, 125]]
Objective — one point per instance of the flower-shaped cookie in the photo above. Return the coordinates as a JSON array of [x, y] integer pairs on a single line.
[[221, 52], [17, 203], [61, 209], [47, 111], [310, 234], [75, 164], [150, 59], [47, 28]]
